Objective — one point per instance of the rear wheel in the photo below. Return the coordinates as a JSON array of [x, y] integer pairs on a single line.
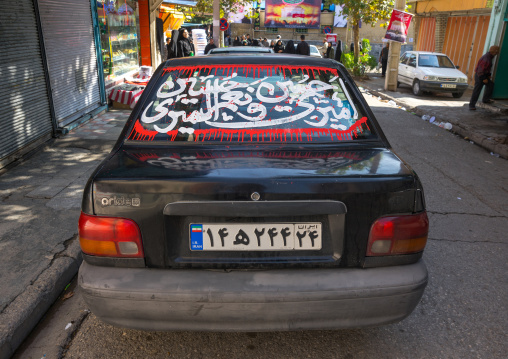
[[417, 91], [457, 94]]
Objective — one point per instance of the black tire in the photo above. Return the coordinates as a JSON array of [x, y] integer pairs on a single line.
[[457, 94], [417, 91]]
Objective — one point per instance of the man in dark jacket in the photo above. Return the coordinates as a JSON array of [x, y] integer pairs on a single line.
[[303, 48], [383, 58], [185, 46], [210, 46], [482, 78]]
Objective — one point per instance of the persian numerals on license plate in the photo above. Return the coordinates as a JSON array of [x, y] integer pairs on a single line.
[[448, 86], [255, 237]]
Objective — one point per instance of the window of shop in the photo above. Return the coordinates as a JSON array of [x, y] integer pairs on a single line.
[[119, 26]]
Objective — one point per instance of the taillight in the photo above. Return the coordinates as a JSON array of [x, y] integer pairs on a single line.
[[394, 235], [109, 237]]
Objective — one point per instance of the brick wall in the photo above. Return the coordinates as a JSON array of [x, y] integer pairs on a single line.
[[441, 21]]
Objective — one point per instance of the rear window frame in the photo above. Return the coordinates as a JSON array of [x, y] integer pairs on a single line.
[[378, 140]]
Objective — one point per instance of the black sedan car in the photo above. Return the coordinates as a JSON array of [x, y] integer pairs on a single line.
[[252, 193], [240, 49]]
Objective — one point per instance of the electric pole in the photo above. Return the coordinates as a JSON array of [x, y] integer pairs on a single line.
[[393, 56], [216, 23]]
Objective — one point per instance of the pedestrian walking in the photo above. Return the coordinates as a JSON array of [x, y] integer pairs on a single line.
[[338, 51], [383, 58], [290, 47], [303, 47], [482, 77], [249, 41], [211, 45], [322, 49], [167, 48], [279, 47], [173, 45], [330, 52], [185, 46]]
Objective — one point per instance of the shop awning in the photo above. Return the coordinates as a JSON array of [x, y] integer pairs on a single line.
[[172, 19], [188, 24], [181, 2]]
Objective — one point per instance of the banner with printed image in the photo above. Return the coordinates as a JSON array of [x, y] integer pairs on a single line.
[[304, 14], [399, 25], [339, 19]]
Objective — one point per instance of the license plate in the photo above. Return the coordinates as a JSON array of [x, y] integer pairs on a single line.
[[255, 237], [448, 86]]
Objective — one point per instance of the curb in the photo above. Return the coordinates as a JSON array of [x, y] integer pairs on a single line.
[[22, 315], [482, 141]]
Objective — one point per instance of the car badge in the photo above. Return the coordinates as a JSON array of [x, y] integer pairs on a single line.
[[255, 196]]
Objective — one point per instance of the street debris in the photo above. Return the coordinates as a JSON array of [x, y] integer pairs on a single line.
[[447, 126], [459, 198], [425, 117], [68, 326], [67, 295], [494, 154], [392, 103]]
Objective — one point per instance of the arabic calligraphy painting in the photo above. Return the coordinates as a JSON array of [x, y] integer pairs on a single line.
[[250, 104]]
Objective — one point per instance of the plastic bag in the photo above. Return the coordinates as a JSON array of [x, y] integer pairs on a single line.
[[378, 66]]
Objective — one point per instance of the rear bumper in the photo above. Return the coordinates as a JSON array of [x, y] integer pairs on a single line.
[[289, 299]]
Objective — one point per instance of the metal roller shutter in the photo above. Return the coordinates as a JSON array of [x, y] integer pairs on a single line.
[[25, 116], [71, 57]]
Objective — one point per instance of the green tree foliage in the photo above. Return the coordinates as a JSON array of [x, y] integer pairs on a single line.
[[206, 7], [363, 62]]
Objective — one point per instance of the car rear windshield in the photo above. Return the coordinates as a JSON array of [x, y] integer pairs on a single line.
[[251, 103], [435, 61]]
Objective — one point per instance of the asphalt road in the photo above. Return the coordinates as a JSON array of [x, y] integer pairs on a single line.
[[463, 313]]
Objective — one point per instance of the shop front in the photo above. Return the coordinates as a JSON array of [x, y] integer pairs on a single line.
[[130, 48], [119, 40]]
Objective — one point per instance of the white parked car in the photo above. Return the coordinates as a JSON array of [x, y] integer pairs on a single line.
[[431, 71]]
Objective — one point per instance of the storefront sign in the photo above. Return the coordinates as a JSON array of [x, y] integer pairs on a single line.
[[303, 14], [331, 38], [399, 24]]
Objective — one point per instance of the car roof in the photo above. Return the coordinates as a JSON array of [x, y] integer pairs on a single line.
[[426, 53], [241, 49], [253, 59]]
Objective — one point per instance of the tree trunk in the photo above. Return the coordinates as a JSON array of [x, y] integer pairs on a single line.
[[356, 35]]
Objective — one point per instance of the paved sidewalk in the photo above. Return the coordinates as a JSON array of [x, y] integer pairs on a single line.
[[487, 126], [40, 201]]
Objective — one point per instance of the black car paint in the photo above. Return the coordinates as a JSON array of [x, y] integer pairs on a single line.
[[386, 186]]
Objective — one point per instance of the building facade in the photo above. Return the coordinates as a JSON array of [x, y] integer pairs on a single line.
[[457, 28]]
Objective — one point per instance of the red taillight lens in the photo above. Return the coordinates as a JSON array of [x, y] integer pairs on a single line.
[[398, 235], [109, 237]]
